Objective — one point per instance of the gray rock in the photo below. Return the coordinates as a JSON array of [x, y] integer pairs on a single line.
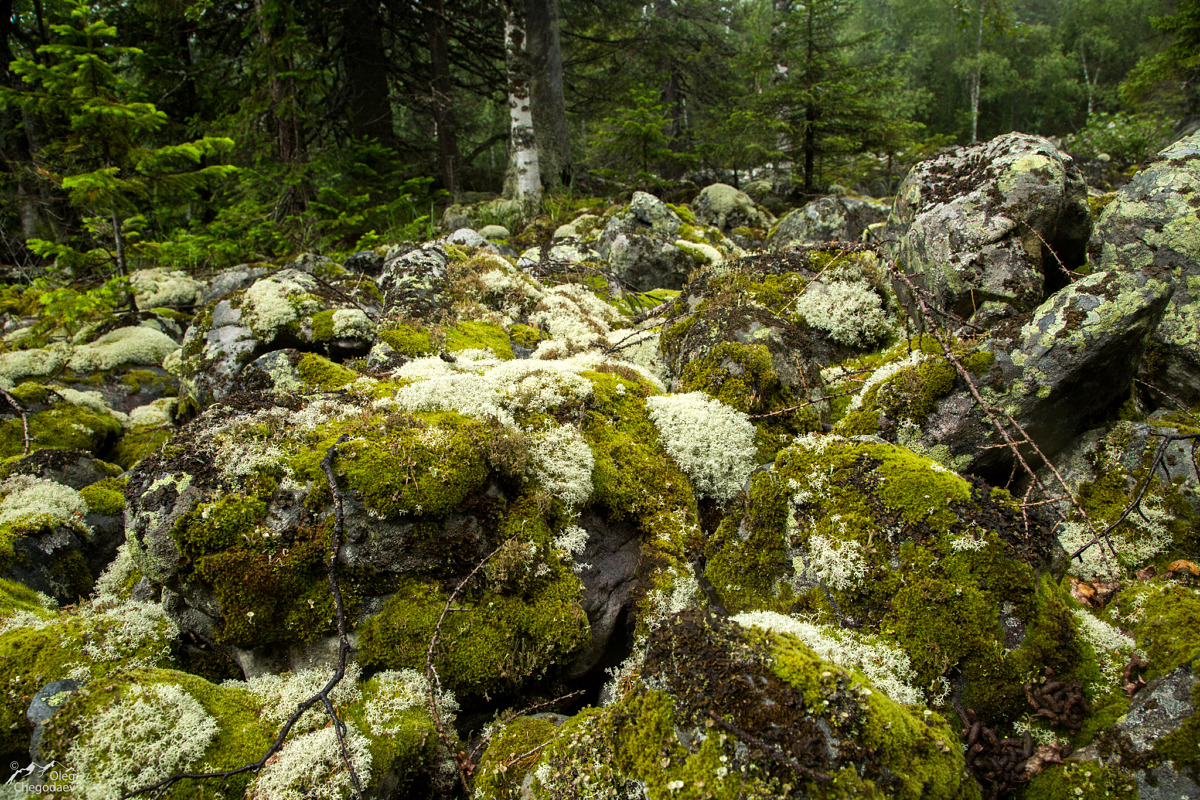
[[1066, 369], [727, 208], [1153, 227], [466, 237], [43, 705], [613, 552], [1157, 710], [991, 222], [493, 232], [229, 281], [827, 219], [73, 468]]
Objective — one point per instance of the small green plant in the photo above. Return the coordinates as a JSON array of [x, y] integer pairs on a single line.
[[71, 309], [1126, 138]]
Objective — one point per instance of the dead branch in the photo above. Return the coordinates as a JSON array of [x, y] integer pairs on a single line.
[[805, 404], [1136, 505], [323, 696], [19, 407]]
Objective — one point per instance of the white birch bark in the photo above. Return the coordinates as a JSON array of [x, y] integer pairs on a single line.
[[523, 183]]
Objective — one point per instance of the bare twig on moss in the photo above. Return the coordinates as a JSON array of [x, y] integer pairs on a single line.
[[994, 415], [1136, 505], [323, 696], [805, 404], [523, 712], [462, 761], [19, 407]]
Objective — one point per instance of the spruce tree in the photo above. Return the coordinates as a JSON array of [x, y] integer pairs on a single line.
[[104, 157]]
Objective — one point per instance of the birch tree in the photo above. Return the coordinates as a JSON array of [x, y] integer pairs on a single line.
[[523, 181]]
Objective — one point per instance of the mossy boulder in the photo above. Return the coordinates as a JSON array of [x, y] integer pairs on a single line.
[[720, 711], [991, 229], [287, 309], [727, 208], [1151, 229], [755, 333], [827, 219], [135, 728], [233, 517], [1068, 367], [874, 537]]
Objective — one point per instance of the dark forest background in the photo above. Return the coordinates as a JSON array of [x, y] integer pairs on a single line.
[[206, 133]]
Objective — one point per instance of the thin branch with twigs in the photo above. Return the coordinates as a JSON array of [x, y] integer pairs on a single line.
[[323, 696]]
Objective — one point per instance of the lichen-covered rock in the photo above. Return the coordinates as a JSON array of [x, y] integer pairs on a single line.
[[160, 288], [721, 711], [754, 334], [727, 208], [1060, 373], [1152, 228], [1106, 469], [639, 245], [1155, 744], [989, 230], [827, 219], [287, 309]]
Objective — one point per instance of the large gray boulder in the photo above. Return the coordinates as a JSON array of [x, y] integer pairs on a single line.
[[727, 208], [1153, 227], [990, 230], [289, 308], [827, 219], [1060, 374], [639, 244]]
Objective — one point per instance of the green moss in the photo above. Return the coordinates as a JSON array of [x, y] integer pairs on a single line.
[[911, 395], [241, 736], [397, 466], [469, 335], [683, 212], [30, 393], [321, 373], [61, 427], [526, 336], [633, 478], [493, 644], [138, 379], [408, 340], [30, 658], [16, 597], [743, 376], [1089, 780], [139, 443], [106, 497], [509, 756], [1169, 628], [322, 326]]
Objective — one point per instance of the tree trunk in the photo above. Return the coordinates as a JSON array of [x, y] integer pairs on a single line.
[[368, 101], [283, 116], [442, 94], [523, 182], [977, 78], [549, 102]]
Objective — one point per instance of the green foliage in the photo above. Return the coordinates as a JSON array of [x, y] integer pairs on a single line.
[[1128, 138], [629, 145], [71, 309]]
